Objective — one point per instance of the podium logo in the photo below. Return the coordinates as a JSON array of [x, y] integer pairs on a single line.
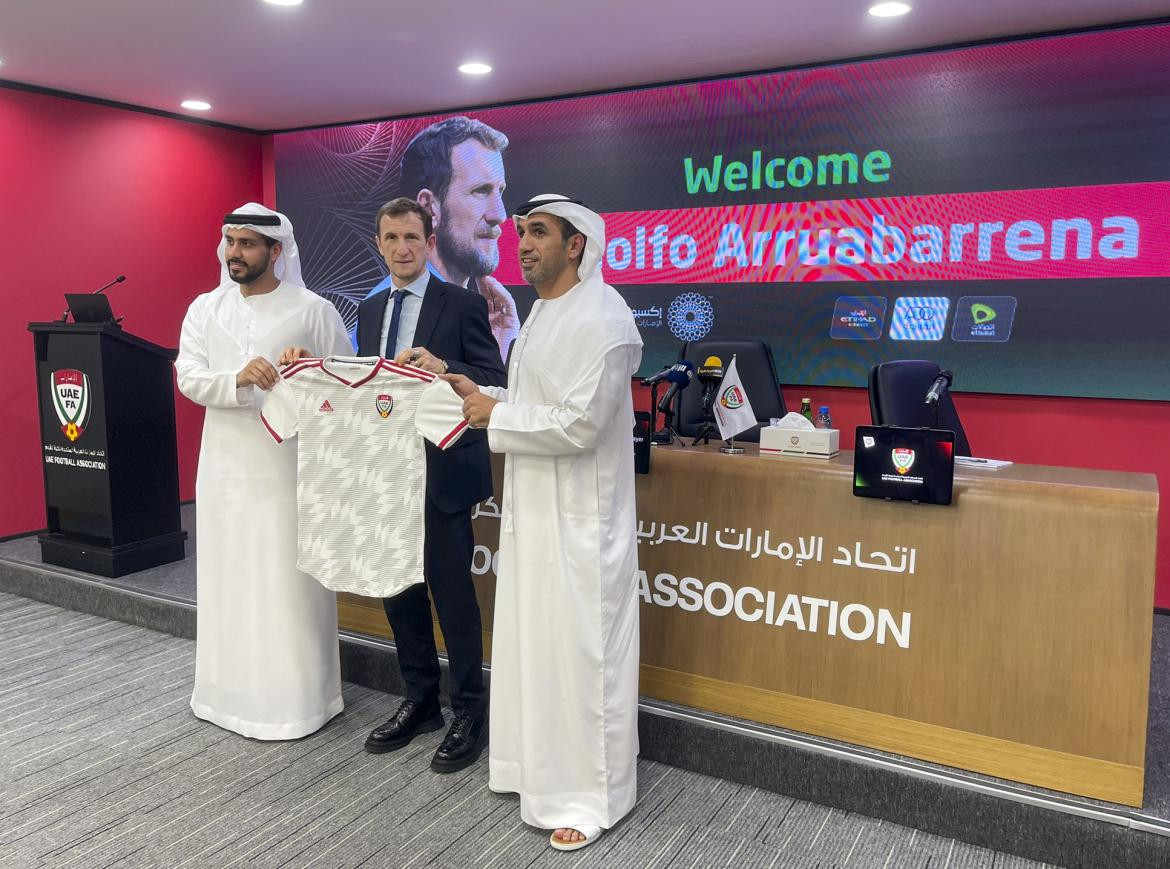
[[70, 390], [903, 459]]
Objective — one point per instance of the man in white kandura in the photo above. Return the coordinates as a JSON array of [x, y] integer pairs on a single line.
[[564, 694], [266, 658]]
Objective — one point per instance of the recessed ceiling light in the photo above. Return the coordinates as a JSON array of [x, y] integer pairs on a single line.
[[284, 2], [888, 10], [475, 68], [196, 105]]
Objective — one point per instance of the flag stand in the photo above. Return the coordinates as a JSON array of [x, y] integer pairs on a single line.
[[730, 448]]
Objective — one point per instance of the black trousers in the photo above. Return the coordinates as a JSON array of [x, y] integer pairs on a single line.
[[447, 568]]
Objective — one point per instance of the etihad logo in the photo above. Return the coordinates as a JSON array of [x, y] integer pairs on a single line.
[[70, 391], [732, 398], [384, 404], [903, 459], [326, 407], [858, 318]]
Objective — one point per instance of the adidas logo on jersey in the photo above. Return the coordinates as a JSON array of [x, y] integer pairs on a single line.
[[325, 407]]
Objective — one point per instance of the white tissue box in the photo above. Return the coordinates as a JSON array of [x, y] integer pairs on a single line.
[[820, 443]]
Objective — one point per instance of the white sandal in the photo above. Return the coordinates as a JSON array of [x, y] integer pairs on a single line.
[[590, 832]]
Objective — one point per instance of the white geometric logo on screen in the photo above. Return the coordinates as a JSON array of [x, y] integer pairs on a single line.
[[690, 316]]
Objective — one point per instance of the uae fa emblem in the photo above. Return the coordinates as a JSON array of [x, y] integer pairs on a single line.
[[384, 403], [732, 398], [903, 459], [70, 390]]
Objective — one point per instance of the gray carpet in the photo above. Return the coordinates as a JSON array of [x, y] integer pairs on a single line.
[[103, 764]]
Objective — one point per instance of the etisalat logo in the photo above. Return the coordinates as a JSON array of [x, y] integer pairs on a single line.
[[984, 318], [71, 393], [732, 398], [903, 459]]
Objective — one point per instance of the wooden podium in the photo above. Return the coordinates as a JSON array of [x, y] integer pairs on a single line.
[[107, 411]]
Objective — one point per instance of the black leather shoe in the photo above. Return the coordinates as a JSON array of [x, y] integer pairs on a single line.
[[465, 742], [409, 721]]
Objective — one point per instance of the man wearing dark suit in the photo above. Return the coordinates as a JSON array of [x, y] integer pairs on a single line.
[[424, 321]]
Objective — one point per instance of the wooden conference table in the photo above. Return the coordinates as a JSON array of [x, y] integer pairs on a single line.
[[1008, 634]]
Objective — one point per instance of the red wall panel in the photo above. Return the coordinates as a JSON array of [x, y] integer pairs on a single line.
[[90, 192]]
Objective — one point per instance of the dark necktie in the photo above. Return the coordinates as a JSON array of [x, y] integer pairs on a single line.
[[395, 318]]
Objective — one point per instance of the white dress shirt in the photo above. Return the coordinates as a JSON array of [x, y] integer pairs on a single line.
[[411, 306]]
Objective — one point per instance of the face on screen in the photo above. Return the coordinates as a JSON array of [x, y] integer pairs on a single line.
[[468, 225], [404, 245]]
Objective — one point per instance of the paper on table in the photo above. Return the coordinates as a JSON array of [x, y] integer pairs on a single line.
[[987, 464]]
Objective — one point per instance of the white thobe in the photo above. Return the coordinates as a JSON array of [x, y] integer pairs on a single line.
[[564, 693], [266, 656]]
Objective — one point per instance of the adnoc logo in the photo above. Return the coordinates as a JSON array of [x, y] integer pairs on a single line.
[[690, 316]]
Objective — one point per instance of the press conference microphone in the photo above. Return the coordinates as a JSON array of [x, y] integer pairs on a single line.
[[941, 384], [117, 280], [680, 376], [711, 369], [657, 378], [710, 372]]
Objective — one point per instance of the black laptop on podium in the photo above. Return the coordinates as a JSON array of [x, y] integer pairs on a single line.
[[904, 464], [89, 307]]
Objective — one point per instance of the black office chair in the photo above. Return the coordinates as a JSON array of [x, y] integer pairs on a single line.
[[757, 371], [897, 392]]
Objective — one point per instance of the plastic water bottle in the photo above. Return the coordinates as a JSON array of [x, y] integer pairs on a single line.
[[823, 418], [806, 409]]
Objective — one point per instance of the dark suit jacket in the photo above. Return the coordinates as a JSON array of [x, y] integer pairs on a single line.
[[453, 325]]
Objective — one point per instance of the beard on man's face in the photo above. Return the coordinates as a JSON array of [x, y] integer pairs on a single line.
[[249, 273], [465, 257]]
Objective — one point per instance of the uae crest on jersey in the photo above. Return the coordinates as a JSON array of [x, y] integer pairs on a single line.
[[903, 459], [384, 403], [70, 390]]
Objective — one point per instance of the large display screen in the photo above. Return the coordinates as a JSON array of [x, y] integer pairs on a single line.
[[1002, 209]]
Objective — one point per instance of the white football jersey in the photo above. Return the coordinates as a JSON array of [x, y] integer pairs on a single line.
[[361, 467]]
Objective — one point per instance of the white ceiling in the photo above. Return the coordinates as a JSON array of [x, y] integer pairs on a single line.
[[328, 61]]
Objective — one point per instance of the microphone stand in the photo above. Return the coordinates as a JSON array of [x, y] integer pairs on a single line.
[[708, 427], [666, 435]]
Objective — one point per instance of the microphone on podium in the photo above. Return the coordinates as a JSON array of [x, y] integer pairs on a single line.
[[102, 289]]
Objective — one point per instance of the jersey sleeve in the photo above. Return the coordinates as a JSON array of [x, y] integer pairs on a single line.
[[281, 412], [439, 417]]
